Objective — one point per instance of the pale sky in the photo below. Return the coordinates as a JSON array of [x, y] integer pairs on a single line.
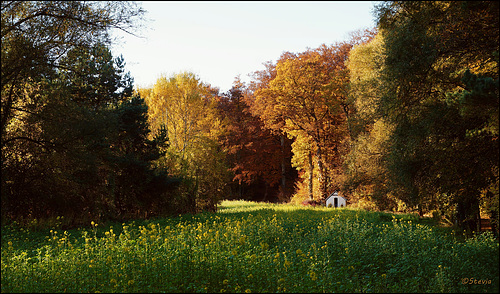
[[220, 40]]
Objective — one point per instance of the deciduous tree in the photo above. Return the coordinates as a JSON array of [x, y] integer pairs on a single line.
[[187, 109], [437, 54], [36, 34], [308, 96], [258, 157]]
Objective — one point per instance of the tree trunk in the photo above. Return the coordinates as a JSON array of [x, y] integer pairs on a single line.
[[240, 188], [283, 165], [468, 214], [265, 192], [321, 175], [311, 170]]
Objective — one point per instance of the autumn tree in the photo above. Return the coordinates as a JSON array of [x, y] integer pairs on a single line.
[[186, 109], [257, 157], [307, 98]]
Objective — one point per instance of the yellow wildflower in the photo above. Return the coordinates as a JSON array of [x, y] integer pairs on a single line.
[[242, 240]]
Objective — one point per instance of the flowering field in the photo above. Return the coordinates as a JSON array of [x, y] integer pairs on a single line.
[[252, 247]]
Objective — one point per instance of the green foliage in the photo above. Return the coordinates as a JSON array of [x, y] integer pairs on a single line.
[[365, 165], [88, 148], [35, 35], [136, 185], [60, 88], [440, 93], [94, 77], [478, 100], [252, 247]]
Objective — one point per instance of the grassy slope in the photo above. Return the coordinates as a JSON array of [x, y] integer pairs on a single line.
[[253, 247]]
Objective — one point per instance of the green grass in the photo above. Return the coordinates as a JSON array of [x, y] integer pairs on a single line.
[[252, 247]]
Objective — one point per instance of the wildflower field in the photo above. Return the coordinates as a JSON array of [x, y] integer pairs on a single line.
[[252, 247]]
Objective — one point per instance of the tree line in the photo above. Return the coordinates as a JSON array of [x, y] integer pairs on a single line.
[[401, 117]]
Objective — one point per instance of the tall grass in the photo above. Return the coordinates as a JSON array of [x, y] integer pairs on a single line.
[[252, 247]]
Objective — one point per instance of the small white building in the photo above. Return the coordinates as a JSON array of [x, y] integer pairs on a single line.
[[335, 200]]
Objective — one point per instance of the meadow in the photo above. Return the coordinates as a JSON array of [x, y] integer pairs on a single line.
[[252, 247]]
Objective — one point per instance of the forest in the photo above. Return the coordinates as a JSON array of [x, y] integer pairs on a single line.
[[402, 117]]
